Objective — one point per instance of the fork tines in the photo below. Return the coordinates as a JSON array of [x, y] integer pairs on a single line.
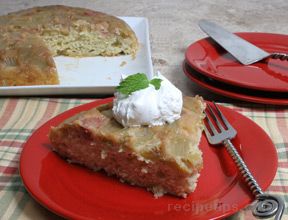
[[10, 61], [217, 128]]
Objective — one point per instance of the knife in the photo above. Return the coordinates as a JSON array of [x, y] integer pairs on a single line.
[[243, 51]]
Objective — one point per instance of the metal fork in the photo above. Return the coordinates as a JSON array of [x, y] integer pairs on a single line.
[[10, 61], [222, 133]]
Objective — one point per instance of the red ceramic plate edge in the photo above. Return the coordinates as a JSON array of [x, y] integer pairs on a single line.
[[230, 94], [225, 80], [55, 208]]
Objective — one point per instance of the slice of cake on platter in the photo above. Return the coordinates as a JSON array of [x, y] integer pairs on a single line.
[[163, 158]]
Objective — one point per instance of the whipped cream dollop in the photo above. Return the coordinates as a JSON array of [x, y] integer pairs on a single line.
[[149, 106]]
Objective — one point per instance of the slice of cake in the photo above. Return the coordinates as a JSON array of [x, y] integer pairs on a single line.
[[163, 159]]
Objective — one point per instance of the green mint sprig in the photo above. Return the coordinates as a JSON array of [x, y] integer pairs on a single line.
[[156, 83], [137, 82]]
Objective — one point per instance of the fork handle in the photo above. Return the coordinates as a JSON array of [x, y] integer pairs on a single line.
[[267, 205]]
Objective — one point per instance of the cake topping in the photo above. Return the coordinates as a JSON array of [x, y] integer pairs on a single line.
[[140, 101]]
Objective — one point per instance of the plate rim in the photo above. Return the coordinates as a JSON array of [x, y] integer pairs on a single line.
[[230, 94], [229, 81]]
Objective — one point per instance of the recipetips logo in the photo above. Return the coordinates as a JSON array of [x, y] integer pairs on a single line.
[[203, 207]]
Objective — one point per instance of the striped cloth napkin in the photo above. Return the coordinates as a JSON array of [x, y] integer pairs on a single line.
[[20, 117]]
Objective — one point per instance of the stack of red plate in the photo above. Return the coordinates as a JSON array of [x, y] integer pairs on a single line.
[[213, 68]]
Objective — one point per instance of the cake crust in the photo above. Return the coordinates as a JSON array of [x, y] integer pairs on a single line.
[[163, 159]]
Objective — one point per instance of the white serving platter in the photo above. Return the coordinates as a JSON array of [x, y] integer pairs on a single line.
[[94, 75]]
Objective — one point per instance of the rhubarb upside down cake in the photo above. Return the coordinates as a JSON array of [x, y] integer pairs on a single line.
[[163, 159], [57, 30]]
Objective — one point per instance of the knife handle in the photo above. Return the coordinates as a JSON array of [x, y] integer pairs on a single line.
[[280, 56]]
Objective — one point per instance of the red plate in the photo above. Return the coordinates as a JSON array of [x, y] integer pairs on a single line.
[[273, 98], [211, 60], [75, 192]]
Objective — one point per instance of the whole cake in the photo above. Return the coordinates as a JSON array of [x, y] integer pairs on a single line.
[[65, 31], [162, 158]]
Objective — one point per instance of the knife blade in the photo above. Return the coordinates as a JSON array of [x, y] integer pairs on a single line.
[[242, 50]]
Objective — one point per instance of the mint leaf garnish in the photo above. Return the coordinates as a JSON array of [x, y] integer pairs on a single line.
[[156, 83], [137, 82], [133, 83]]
